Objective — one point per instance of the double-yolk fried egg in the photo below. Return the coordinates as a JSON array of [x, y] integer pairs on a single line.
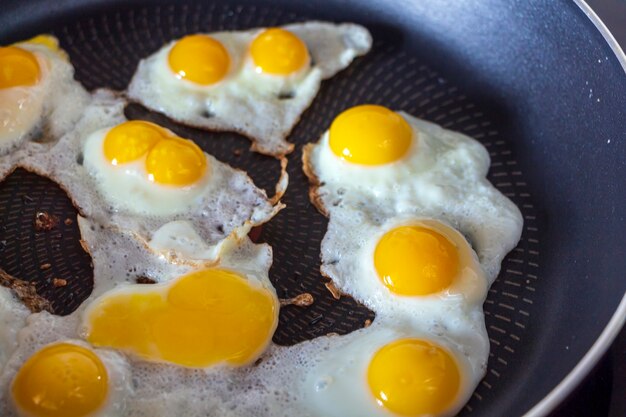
[[144, 168], [39, 98], [256, 82], [138, 176]]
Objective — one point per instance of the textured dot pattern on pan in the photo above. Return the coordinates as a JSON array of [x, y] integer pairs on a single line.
[[40, 241]]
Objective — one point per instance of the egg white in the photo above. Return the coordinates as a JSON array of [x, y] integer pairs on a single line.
[[12, 319], [348, 258], [337, 385], [246, 101], [45, 111]]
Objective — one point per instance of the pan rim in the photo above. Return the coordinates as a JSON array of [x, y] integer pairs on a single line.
[[584, 366], [575, 377]]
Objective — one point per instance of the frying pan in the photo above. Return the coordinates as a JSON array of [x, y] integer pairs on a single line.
[[540, 84]]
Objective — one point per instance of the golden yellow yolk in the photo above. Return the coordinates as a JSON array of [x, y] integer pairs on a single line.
[[61, 380], [175, 161], [170, 160], [416, 260], [199, 59], [48, 41], [131, 140], [201, 319], [414, 377], [279, 52], [370, 135], [18, 67]]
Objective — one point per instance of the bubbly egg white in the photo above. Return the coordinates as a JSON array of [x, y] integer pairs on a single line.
[[225, 200], [246, 101], [12, 318]]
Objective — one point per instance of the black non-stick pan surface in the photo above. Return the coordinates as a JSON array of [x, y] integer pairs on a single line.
[[535, 82]]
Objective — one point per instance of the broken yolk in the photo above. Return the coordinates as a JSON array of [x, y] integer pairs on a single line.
[[198, 320]]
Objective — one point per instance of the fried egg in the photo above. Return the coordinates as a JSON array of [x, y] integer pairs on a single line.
[[138, 176], [39, 98], [384, 370], [66, 379], [409, 267], [256, 82], [387, 164]]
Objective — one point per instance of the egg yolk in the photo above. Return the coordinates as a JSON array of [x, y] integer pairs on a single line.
[[413, 377], [279, 52], [170, 160], [200, 319], [370, 135], [131, 140], [176, 162], [61, 380], [18, 67], [416, 260], [199, 59], [48, 41]]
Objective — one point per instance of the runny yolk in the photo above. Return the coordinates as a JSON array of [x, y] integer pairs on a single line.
[[414, 377], [170, 160], [200, 59], [416, 260], [201, 319], [48, 41], [61, 380], [18, 67], [175, 161], [279, 52], [370, 135], [131, 140]]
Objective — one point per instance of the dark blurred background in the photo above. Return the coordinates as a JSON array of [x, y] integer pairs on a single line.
[[604, 392]]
